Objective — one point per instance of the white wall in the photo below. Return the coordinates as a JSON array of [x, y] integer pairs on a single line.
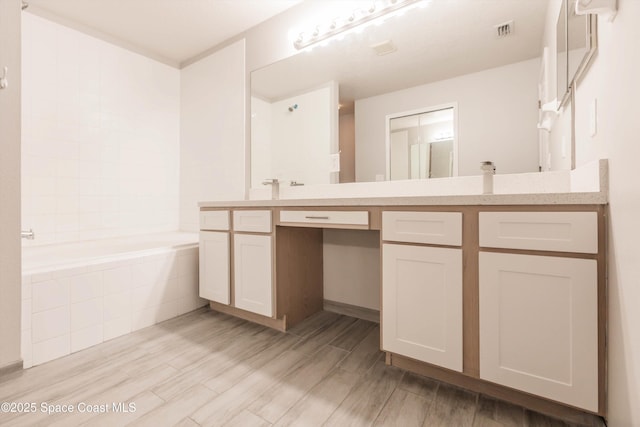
[[100, 137], [212, 131], [10, 280], [560, 140], [613, 80], [260, 141], [350, 268], [497, 117]]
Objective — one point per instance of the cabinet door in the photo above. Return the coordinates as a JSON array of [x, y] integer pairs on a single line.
[[214, 266], [539, 326], [422, 303], [252, 273]]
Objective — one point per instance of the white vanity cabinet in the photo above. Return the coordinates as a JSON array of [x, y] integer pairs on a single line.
[[214, 283], [253, 261], [538, 313], [422, 287], [507, 300], [214, 266], [252, 264], [244, 248], [252, 269]]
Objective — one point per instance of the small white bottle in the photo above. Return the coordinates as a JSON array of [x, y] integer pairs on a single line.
[[488, 170]]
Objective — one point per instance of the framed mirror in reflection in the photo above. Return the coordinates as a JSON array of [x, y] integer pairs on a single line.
[[422, 143], [561, 50], [482, 55], [576, 45]]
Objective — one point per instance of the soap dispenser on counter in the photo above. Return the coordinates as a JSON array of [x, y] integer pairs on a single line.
[[488, 170]]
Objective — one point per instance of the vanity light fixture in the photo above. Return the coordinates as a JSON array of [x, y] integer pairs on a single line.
[[357, 19], [443, 136]]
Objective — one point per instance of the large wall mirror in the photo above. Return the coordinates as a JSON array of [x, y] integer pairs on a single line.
[[481, 55]]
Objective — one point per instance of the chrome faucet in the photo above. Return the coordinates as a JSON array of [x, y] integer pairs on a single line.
[[29, 235], [275, 187]]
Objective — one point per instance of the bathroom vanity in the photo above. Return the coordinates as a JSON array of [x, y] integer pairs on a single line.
[[502, 294]]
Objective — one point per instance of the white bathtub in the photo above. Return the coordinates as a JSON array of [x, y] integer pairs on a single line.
[[75, 295]]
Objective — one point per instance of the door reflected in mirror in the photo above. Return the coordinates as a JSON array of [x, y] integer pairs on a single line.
[[422, 144]]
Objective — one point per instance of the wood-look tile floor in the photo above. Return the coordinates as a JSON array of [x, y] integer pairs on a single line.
[[210, 369]]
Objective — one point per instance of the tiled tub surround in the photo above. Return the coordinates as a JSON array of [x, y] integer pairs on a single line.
[[100, 137], [80, 294]]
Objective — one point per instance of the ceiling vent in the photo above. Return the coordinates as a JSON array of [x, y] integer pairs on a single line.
[[503, 30], [384, 47]]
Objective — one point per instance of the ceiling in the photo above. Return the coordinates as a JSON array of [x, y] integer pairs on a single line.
[[445, 39], [170, 30]]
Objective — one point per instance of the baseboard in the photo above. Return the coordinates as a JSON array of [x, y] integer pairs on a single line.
[[11, 368], [352, 310], [279, 324]]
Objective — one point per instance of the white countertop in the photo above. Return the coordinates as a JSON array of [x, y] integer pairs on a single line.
[[586, 185], [573, 198]]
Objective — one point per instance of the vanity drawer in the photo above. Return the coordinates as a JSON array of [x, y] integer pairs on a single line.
[[356, 219], [436, 228], [545, 231], [252, 221], [214, 220]]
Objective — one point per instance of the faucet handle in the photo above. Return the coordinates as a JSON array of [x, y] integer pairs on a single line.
[[28, 234], [275, 187]]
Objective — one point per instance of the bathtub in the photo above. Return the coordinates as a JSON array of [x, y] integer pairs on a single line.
[[76, 295]]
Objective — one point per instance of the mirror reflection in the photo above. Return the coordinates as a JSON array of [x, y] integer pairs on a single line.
[[576, 44], [484, 56], [577, 39], [292, 137], [561, 34], [421, 144], [581, 41]]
